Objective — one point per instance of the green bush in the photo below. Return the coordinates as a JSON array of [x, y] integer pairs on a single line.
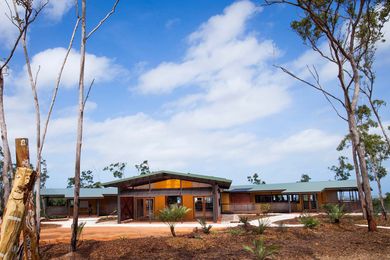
[[263, 225], [205, 228], [335, 212], [260, 250], [308, 221], [172, 215]]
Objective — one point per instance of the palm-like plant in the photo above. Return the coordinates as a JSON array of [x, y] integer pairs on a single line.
[[334, 212], [173, 214], [205, 228], [260, 250]]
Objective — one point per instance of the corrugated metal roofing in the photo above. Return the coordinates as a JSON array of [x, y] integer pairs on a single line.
[[84, 192], [296, 187], [192, 175]]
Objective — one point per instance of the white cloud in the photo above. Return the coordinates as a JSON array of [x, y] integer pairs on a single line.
[[56, 9], [8, 31], [102, 69], [229, 67]]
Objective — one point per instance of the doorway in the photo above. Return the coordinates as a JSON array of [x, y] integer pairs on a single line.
[[144, 208], [309, 202], [203, 207]]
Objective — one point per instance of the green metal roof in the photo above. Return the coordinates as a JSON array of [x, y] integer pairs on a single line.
[[296, 187], [195, 177], [84, 192]]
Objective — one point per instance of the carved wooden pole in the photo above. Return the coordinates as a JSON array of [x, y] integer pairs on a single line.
[[14, 213], [30, 240]]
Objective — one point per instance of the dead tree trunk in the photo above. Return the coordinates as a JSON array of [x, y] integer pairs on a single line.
[[15, 212], [7, 166], [73, 243]]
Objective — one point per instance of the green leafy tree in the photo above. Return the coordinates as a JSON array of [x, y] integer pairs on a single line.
[[116, 169], [342, 172], [305, 178], [255, 179], [143, 168], [172, 215], [343, 33], [377, 149]]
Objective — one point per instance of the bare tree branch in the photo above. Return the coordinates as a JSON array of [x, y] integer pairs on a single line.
[[103, 20], [317, 79], [89, 90], [58, 81], [310, 84]]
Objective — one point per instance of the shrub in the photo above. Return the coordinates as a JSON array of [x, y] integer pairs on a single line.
[[334, 212], [265, 209], [260, 250], [205, 228], [308, 221], [263, 225], [244, 220], [236, 232], [172, 215]]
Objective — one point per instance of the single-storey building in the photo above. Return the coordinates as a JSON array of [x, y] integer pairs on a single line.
[[94, 201], [142, 197], [291, 197]]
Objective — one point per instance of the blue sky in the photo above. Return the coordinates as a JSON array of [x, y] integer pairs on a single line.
[[188, 85]]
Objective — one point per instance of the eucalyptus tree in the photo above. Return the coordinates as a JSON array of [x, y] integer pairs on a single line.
[[305, 178], [255, 179], [342, 32], [376, 146]]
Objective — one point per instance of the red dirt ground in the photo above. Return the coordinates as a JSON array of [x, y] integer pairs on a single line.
[[328, 241]]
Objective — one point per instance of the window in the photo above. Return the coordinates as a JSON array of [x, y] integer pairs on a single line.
[[56, 202], [209, 203], [171, 200], [270, 198], [263, 198]]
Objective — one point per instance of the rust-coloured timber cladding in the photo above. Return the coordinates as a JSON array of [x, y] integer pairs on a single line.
[[15, 210], [240, 198]]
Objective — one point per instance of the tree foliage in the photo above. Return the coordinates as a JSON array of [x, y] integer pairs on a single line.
[[305, 178], [143, 168], [44, 174], [86, 180], [255, 179], [343, 170], [117, 169]]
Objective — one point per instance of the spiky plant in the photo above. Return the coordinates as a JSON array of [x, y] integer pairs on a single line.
[[80, 229], [308, 221], [205, 228], [260, 250], [263, 225], [335, 212], [172, 215]]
